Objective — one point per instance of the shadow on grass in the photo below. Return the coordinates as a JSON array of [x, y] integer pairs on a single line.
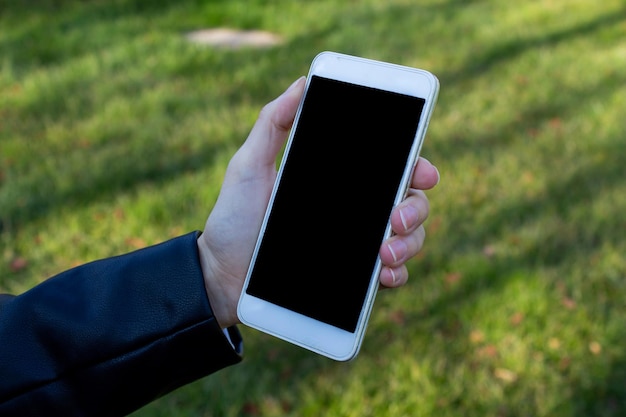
[[493, 55], [287, 367], [602, 397], [44, 26], [564, 195], [121, 158]]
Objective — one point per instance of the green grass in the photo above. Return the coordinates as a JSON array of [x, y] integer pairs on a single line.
[[115, 133]]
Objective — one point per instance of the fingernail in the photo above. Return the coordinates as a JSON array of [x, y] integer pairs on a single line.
[[402, 217], [393, 276], [393, 253], [397, 248], [438, 176], [409, 216]]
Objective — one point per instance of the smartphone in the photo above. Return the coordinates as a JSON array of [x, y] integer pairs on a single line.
[[348, 161]]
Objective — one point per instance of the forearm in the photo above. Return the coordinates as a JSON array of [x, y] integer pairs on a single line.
[[109, 337]]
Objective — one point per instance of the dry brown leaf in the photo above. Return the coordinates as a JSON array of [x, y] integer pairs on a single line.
[[595, 348], [398, 317], [568, 303], [489, 351], [453, 278], [251, 409], [476, 336], [505, 375], [489, 251], [554, 343], [517, 318], [17, 264], [136, 242]]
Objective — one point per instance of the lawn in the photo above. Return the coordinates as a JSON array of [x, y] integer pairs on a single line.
[[115, 132]]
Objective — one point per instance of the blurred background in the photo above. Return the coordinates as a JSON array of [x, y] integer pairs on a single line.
[[116, 126]]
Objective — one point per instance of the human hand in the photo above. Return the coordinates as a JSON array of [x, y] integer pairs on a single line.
[[407, 223], [231, 231]]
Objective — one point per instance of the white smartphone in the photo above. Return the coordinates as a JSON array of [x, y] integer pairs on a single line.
[[348, 161]]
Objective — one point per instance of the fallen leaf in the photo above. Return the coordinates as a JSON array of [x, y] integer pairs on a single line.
[[476, 336], [136, 242], [398, 317], [453, 278], [528, 177], [434, 225], [18, 264], [286, 406], [595, 348], [554, 343], [505, 375], [517, 318], [118, 213], [489, 251], [84, 143], [273, 354], [251, 409], [568, 303], [555, 123], [489, 351]]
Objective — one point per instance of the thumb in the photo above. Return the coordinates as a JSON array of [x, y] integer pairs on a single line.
[[275, 120]]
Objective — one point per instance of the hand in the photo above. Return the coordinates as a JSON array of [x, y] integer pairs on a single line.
[[407, 223], [230, 233]]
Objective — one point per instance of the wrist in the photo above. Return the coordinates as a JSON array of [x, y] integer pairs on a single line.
[[222, 302]]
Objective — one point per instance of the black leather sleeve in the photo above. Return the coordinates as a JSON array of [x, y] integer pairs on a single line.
[[108, 337]]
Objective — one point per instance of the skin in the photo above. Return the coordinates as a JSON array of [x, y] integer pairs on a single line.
[[231, 230]]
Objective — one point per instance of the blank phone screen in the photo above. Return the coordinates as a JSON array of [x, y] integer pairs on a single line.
[[332, 206]]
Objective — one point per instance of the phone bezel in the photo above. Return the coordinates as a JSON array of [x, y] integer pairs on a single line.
[[306, 332]]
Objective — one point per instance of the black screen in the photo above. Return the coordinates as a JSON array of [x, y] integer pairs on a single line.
[[333, 203]]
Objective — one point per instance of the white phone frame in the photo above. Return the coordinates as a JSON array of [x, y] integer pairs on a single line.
[[301, 330]]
